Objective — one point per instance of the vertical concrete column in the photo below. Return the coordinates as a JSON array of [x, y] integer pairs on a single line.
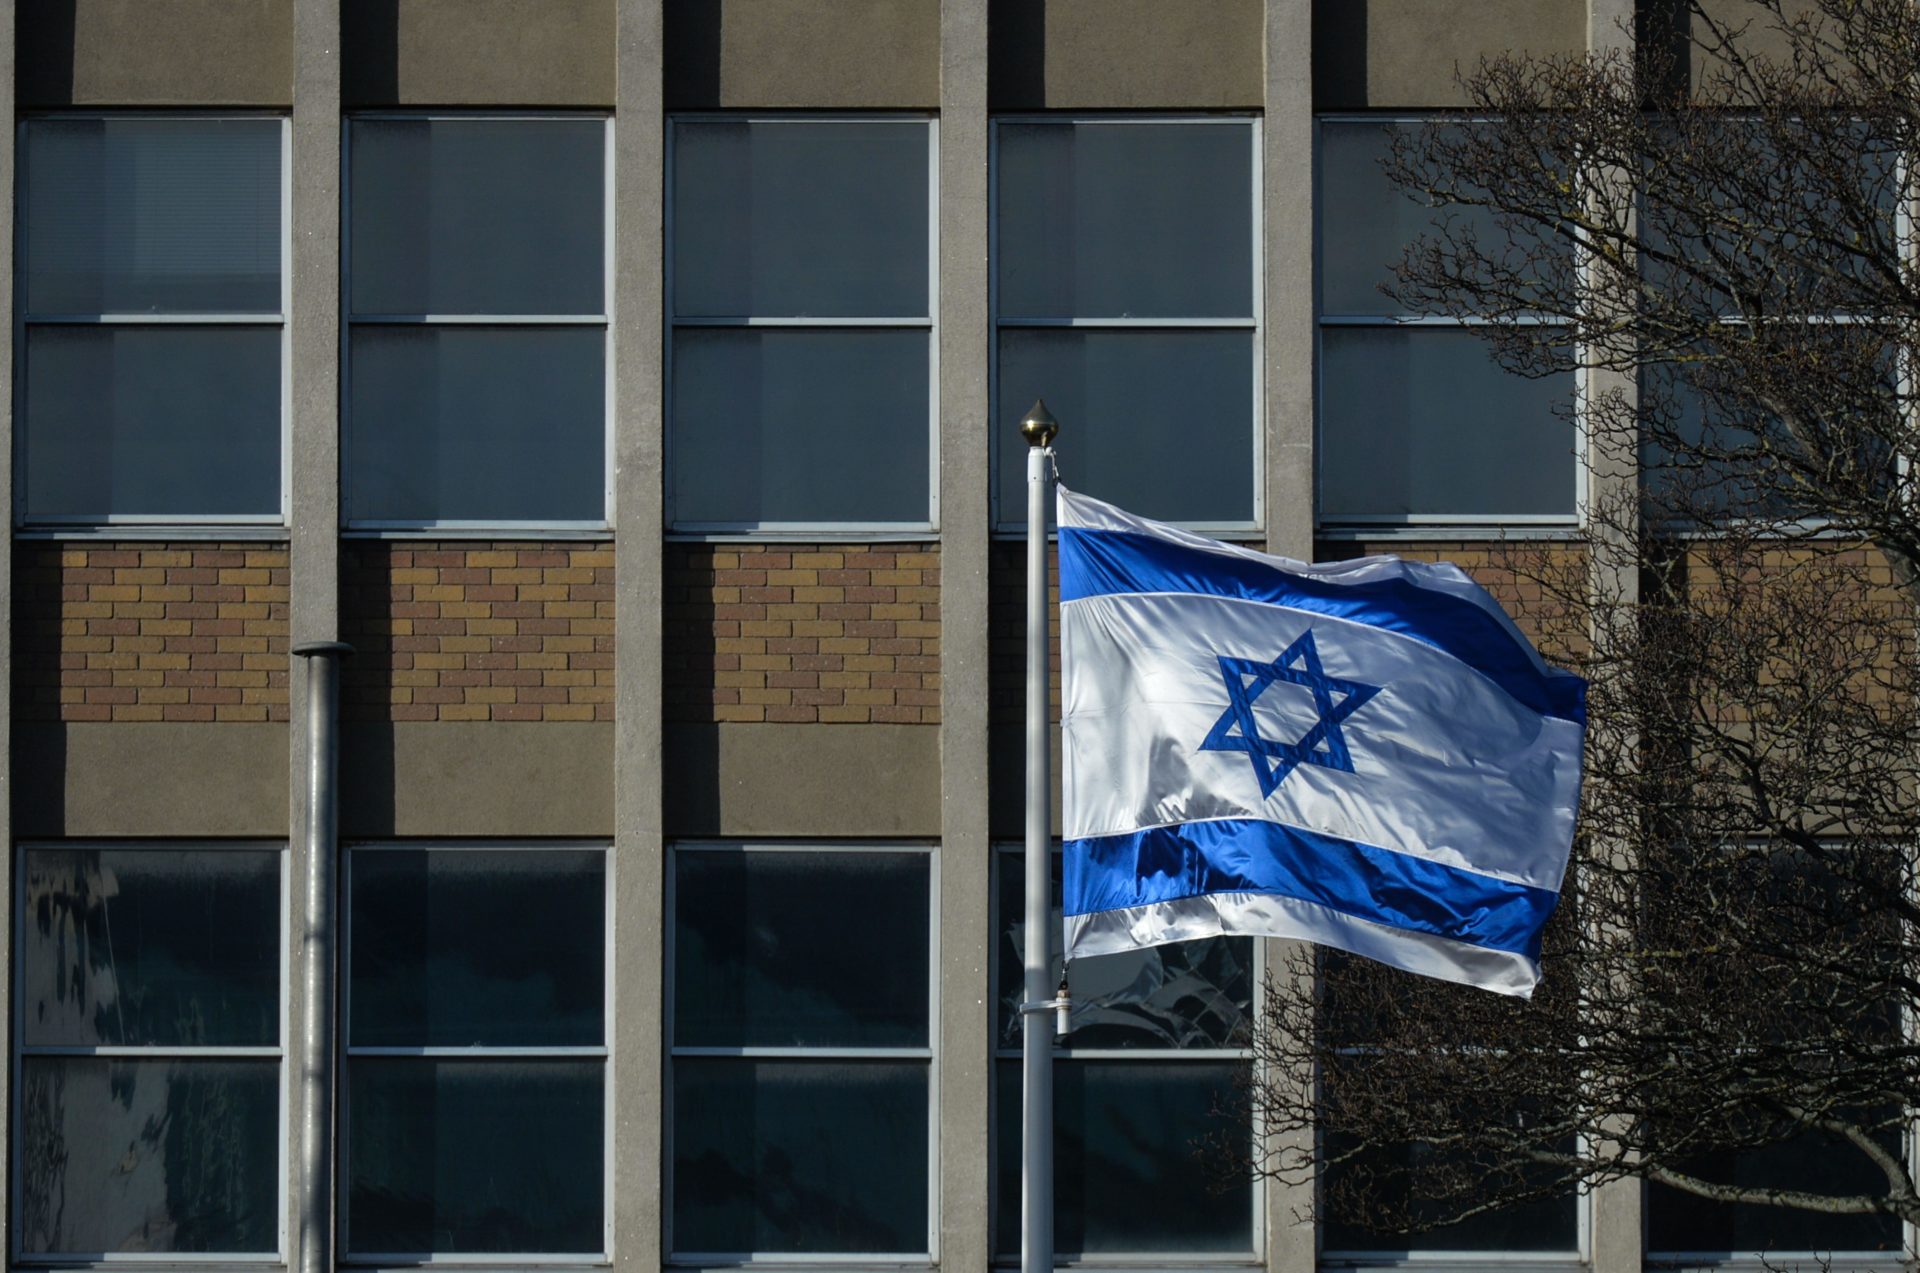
[[7, 132], [1287, 349], [965, 1047], [1612, 477], [639, 433], [313, 321]]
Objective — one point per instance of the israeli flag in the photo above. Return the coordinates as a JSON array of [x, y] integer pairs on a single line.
[[1366, 754]]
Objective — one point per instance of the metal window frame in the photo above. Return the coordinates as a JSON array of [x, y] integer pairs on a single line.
[[480, 1053], [673, 1258], [223, 526], [476, 528], [1009, 524], [1425, 526], [842, 530], [1005, 857], [21, 1051]]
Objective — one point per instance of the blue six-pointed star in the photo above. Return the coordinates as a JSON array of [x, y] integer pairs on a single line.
[[1322, 745]]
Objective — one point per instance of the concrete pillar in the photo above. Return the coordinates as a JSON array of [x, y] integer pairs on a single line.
[[1287, 353], [639, 847], [314, 382], [1612, 475], [965, 1042], [7, 133]]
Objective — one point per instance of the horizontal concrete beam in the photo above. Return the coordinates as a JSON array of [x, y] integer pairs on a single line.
[[825, 780]]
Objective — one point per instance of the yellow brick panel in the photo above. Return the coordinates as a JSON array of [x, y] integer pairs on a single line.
[[150, 632], [826, 633], [506, 632]]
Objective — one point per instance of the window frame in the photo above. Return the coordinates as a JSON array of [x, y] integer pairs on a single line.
[[347, 1050], [670, 1255], [470, 528], [802, 531], [1010, 523], [1443, 527], [1007, 865], [280, 1053], [206, 526]]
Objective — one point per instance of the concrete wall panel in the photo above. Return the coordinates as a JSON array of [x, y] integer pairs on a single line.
[[853, 54], [1126, 54], [825, 780], [156, 53], [477, 53], [1408, 53], [476, 778], [150, 780]]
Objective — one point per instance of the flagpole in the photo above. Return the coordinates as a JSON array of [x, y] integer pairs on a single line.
[[1036, 1043]]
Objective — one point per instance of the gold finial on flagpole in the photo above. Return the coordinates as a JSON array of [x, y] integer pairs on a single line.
[[1038, 426]]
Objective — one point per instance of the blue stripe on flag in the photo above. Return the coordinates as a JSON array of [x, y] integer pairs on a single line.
[[1248, 855], [1096, 563]]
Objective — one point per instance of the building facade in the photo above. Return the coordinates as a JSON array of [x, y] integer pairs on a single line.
[[633, 384]]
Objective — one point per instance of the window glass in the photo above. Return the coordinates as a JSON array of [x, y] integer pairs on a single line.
[[475, 1086], [143, 215], [800, 325], [1125, 220], [1159, 416], [1420, 422], [152, 422], [753, 965], [478, 424], [817, 1143], [476, 363], [792, 217], [1681, 1221], [149, 290], [150, 947], [1148, 1157], [794, 1156], [483, 1156], [800, 426], [143, 1157], [478, 216], [502, 947], [172, 956], [1125, 296], [1548, 1225]]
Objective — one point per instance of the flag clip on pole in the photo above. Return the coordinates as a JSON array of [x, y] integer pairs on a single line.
[[1036, 1047]]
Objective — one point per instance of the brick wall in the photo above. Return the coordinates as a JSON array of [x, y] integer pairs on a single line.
[[494, 631], [150, 632], [830, 633]]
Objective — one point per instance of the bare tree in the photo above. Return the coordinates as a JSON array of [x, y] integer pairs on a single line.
[[1721, 229]]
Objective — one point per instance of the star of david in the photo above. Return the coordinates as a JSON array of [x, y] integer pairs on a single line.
[[1322, 744]]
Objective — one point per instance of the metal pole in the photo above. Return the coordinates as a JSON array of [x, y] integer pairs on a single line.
[[1036, 1042], [319, 953]]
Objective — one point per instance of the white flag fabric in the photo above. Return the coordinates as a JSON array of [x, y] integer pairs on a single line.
[[1366, 754]]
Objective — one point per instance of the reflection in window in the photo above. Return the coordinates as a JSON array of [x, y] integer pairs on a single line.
[[801, 324], [1126, 295], [802, 1060], [1418, 424], [1144, 1151], [476, 1019], [170, 1143], [151, 291], [475, 391]]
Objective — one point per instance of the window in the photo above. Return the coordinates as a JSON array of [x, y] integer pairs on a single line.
[[151, 336], [474, 1098], [476, 393], [150, 1031], [800, 317], [1418, 424], [1153, 1058], [802, 1062], [1126, 263]]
